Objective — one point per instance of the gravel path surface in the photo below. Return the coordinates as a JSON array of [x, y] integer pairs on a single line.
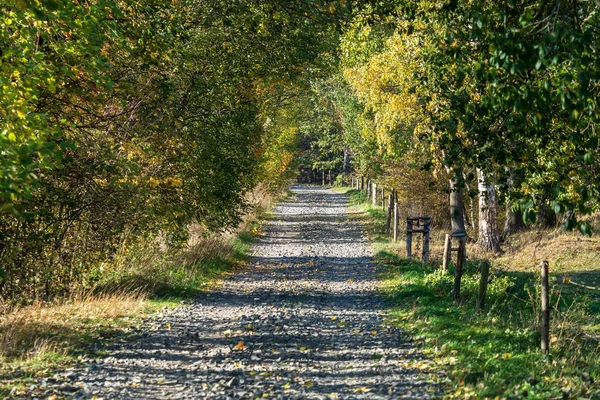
[[304, 321]]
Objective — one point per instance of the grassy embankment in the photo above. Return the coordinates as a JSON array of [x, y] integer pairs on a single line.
[[494, 353], [40, 338]]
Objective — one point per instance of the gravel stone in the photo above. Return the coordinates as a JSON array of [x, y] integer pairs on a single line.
[[303, 321]]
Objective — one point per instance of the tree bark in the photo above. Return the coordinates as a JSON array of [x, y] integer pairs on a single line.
[[546, 217], [514, 219], [489, 238], [457, 216], [470, 217]]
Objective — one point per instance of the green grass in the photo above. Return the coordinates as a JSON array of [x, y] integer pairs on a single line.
[[493, 353]]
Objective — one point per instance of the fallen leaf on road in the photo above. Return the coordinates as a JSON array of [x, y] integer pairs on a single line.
[[240, 346]]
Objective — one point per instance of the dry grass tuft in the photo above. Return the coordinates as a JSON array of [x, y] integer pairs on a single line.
[[565, 251], [30, 331]]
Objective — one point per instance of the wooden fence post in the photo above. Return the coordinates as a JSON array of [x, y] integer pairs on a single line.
[[447, 253], [460, 258], [383, 198], [483, 283], [395, 221], [408, 238], [545, 325], [362, 183], [425, 256], [323, 178]]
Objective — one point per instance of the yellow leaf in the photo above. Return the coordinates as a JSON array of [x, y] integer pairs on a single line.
[[308, 384], [240, 346]]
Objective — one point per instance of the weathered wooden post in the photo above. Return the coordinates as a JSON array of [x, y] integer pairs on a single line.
[[362, 183], [323, 178], [447, 253], [383, 198], [483, 284], [426, 238], [460, 258], [395, 221], [408, 238], [545, 325], [329, 171]]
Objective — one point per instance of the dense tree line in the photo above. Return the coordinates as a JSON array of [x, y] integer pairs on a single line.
[[497, 99], [121, 120]]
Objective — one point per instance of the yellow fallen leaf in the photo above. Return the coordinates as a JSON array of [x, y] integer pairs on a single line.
[[308, 384], [240, 346], [374, 332]]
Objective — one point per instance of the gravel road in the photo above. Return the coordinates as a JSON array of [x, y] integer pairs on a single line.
[[304, 321]]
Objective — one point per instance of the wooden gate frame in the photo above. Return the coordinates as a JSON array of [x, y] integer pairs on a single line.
[[423, 222]]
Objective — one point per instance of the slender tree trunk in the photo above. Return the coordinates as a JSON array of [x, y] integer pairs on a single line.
[[457, 216], [546, 217], [513, 222], [489, 238], [514, 219], [470, 217]]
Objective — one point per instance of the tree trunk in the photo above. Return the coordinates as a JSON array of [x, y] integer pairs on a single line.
[[489, 238], [457, 216], [546, 217], [514, 219], [470, 217]]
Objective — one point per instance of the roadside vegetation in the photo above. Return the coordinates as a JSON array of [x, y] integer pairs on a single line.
[[135, 137], [494, 353], [38, 339]]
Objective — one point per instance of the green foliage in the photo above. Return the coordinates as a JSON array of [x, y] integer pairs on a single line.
[[508, 88], [122, 121]]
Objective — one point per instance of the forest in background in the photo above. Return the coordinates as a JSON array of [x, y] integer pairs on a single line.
[[127, 123], [141, 141]]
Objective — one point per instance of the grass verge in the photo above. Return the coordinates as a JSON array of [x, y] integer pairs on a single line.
[[40, 339], [493, 353]]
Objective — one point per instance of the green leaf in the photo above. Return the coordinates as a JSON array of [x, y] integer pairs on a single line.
[[529, 216], [558, 207], [585, 228]]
